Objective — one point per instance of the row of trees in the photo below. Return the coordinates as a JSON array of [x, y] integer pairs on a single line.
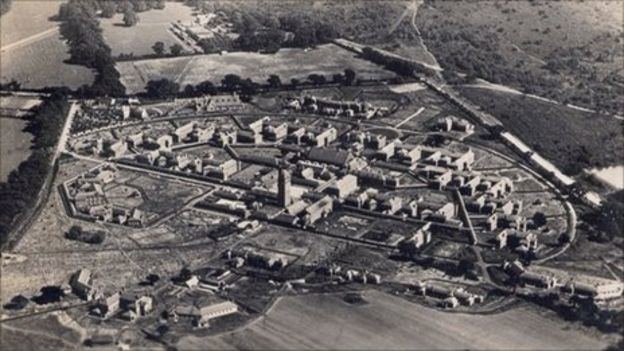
[[398, 65], [159, 49], [80, 27], [164, 88], [129, 8], [77, 233], [268, 33], [20, 191]]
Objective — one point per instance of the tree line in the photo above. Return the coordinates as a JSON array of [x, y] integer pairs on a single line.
[[293, 29], [129, 8], [400, 66], [164, 88], [19, 192], [80, 27]]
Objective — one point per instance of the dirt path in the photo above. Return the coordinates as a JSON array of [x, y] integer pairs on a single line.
[[417, 4], [31, 39], [395, 25]]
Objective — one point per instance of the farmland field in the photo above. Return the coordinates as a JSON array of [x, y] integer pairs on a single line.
[[388, 322], [287, 63], [152, 27], [14, 145]]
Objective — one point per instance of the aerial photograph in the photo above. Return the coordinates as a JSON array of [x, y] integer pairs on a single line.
[[311, 175]]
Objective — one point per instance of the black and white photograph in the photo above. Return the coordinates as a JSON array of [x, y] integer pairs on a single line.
[[311, 175]]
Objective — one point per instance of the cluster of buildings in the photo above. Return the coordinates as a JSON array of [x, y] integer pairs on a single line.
[[217, 103], [449, 297], [596, 290], [200, 313], [251, 256], [86, 199], [179, 162], [104, 111], [129, 306], [328, 107], [362, 276], [454, 124], [341, 176], [189, 133], [204, 26]]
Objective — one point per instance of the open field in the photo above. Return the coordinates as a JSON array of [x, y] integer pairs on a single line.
[[33, 51], [27, 18], [152, 27], [388, 322], [40, 64], [287, 63], [47, 332], [570, 138], [14, 145]]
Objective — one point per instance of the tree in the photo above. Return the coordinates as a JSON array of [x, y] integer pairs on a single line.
[[96, 237], [564, 238], [162, 88], [159, 4], [109, 8], [274, 81], [74, 232], [130, 18], [176, 49], [158, 47], [408, 248], [231, 81], [189, 90], [248, 87], [349, 76], [206, 87], [124, 6], [185, 274], [338, 78], [539, 219], [294, 82], [208, 45], [316, 79], [139, 5], [465, 266], [152, 278], [18, 302]]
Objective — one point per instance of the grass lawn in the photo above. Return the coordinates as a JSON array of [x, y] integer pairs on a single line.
[[570, 138], [27, 18], [40, 64], [287, 63], [152, 27]]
